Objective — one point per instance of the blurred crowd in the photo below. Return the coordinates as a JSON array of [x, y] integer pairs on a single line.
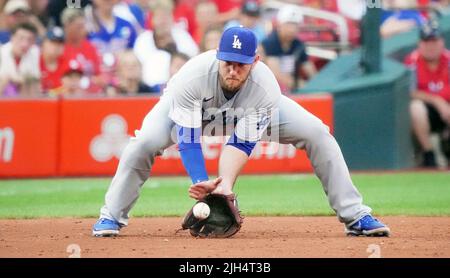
[[128, 47]]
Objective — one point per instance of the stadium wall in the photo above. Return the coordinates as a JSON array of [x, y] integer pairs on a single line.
[[371, 115], [85, 137]]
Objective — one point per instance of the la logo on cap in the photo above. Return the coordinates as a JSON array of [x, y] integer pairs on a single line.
[[237, 44]]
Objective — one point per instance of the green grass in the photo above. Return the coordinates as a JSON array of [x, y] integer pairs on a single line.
[[387, 194]]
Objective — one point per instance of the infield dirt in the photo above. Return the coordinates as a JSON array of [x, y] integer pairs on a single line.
[[269, 237]]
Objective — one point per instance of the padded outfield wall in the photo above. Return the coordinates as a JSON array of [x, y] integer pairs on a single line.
[[371, 114]]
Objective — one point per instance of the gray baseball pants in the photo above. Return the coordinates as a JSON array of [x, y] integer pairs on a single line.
[[296, 126]]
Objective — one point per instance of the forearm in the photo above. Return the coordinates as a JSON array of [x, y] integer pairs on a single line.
[[231, 162], [435, 101], [233, 158]]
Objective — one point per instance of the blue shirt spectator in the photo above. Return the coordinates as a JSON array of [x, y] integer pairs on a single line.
[[121, 37], [285, 54], [272, 47], [5, 36], [250, 18], [418, 18], [132, 13]]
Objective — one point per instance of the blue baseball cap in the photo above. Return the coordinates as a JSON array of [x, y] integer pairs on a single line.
[[237, 44], [430, 31], [55, 34]]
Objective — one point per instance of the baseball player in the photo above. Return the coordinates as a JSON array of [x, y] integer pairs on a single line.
[[201, 96]]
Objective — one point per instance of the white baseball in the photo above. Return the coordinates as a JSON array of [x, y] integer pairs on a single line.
[[201, 210]]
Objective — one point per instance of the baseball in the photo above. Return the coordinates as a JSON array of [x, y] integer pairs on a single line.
[[201, 211]]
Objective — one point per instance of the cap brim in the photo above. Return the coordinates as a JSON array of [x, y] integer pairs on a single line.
[[430, 37], [234, 57], [56, 40], [252, 13], [69, 72]]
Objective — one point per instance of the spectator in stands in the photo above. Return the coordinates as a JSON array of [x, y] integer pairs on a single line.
[[430, 105], [16, 12], [154, 48], [211, 39], [108, 33], [39, 8], [284, 53], [206, 14], [55, 9], [132, 13], [78, 47], [183, 15], [228, 10], [177, 61], [51, 59], [399, 16], [19, 62], [250, 17], [129, 74], [72, 74]]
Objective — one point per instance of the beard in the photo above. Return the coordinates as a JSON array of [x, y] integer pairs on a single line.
[[231, 86]]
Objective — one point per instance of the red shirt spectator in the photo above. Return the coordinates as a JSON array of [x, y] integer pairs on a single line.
[[51, 59], [430, 94], [78, 48], [228, 5], [50, 79], [86, 54], [183, 15], [434, 82]]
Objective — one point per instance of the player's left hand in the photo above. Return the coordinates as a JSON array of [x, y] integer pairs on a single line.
[[199, 190]]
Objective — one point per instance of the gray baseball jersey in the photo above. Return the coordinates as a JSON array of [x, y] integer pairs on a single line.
[[193, 96], [198, 99]]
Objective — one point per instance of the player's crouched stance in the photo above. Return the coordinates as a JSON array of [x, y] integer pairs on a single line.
[[202, 94]]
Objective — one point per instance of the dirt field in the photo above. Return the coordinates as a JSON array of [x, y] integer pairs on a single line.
[[259, 237]]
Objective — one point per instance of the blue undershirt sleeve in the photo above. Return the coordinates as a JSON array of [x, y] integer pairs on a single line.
[[191, 153], [245, 146]]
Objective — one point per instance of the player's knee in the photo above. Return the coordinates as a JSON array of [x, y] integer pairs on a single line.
[[316, 134], [318, 131], [142, 149]]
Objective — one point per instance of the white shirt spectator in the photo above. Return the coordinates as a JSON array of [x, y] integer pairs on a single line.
[[28, 65], [156, 62], [353, 9]]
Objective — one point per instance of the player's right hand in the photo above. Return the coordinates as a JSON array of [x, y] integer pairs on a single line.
[[199, 190]]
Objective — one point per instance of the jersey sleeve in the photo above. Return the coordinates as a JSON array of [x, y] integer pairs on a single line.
[[186, 105], [252, 126], [254, 123]]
